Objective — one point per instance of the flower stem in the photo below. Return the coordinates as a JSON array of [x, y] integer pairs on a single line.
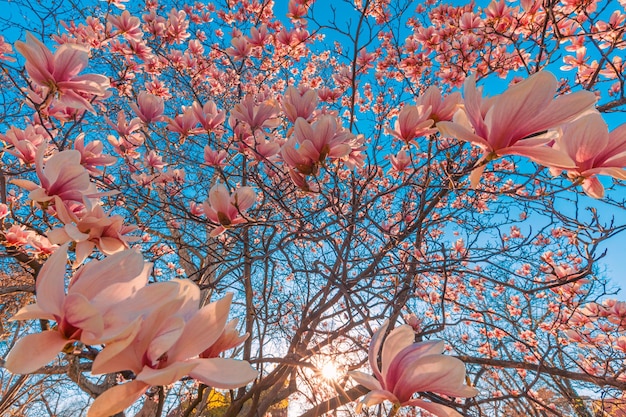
[[394, 410]]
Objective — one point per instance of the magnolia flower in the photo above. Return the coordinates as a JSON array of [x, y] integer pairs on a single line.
[[409, 368], [516, 122], [62, 176], [225, 209], [299, 104], [59, 72], [94, 228], [594, 150], [167, 345], [91, 155], [413, 122], [25, 142], [84, 313], [149, 108]]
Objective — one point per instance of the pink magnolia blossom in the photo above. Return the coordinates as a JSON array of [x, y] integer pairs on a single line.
[[94, 228], [24, 143], [91, 155], [413, 122], [400, 162], [127, 25], [59, 72], [299, 103], [214, 158], [166, 347], [409, 368], [62, 177], [594, 150], [441, 109], [183, 124], [149, 108], [226, 210], [256, 115], [209, 117], [83, 312], [515, 122]]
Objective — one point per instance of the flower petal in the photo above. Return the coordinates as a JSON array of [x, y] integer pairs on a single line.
[[117, 399], [202, 330], [50, 284], [436, 409], [167, 375], [223, 373], [398, 339], [368, 381], [34, 351]]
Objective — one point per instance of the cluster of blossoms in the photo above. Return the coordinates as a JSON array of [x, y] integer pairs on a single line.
[[564, 133], [157, 331]]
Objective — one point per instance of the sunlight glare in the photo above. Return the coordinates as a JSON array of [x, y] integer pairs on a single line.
[[329, 371]]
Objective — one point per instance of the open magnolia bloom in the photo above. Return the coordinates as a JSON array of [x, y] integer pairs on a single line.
[[58, 72], [86, 312], [409, 368], [594, 150], [169, 343], [518, 121]]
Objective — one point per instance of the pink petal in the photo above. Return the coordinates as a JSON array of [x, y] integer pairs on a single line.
[[223, 373], [436, 373], [244, 197], [593, 187], [219, 198], [34, 351], [375, 343], [50, 284], [368, 381], [167, 375], [455, 130], [39, 59], [436, 409], [95, 278], [31, 312], [510, 112], [117, 399], [542, 155], [408, 356], [121, 354], [202, 330], [168, 334], [69, 60], [81, 314], [376, 397], [398, 339]]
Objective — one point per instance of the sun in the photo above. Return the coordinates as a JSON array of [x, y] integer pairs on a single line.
[[329, 371]]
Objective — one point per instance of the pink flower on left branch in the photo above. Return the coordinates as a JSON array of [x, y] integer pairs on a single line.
[[62, 178], [58, 73], [227, 210], [83, 313], [409, 368], [172, 342]]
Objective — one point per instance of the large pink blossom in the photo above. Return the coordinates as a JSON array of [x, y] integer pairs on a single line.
[[58, 72], [409, 368], [225, 209], [62, 177], [84, 313], [594, 150], [516, 122], [166, 347]]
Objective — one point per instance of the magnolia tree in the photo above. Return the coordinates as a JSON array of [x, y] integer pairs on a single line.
[[374, 207]]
